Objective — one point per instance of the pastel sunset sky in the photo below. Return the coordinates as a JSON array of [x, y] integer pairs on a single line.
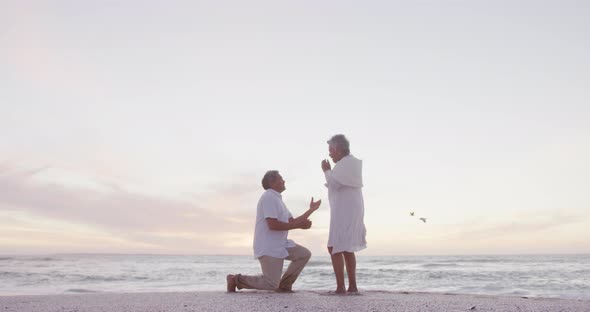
[[146, 126]]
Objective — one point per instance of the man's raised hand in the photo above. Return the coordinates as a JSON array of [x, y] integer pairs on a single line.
[[314, 205]]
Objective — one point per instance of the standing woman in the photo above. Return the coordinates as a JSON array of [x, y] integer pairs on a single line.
[[347, 228]]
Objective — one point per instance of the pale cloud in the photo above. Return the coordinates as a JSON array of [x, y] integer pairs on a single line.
[[23, 233], [536, 231], [157, 223], [41, 215], [529, 226]]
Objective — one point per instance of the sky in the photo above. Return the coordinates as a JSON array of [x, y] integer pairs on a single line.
[[146, 126]]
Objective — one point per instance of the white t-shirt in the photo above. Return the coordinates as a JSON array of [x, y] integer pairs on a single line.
[[268, 242]]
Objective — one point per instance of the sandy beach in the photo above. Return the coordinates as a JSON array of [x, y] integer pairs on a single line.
[[298, 301]]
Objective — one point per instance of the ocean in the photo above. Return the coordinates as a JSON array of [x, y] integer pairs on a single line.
[[552, 276]]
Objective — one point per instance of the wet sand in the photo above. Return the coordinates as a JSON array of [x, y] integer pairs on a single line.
[[298, 301]]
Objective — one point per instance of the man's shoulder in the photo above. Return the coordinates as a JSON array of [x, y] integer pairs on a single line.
[[269, 196], [265, 194]]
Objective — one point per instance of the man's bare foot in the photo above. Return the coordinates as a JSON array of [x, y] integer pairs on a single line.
[[231, 283]]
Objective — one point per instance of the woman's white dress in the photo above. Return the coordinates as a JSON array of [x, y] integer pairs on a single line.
[[347, 228]]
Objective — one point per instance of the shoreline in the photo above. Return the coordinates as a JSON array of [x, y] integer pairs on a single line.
[[374, 300], [320, 292]]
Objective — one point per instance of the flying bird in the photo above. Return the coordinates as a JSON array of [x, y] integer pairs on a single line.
[[412, 213], [423, 220]]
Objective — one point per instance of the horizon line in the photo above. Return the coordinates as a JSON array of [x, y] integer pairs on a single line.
[[250, 255]]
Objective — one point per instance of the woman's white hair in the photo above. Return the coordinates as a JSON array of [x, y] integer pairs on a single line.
[[340, 142]]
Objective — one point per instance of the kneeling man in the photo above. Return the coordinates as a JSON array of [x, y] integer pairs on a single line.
[[271, 246]]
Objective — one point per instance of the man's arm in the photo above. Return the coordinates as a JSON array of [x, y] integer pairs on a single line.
[[277, 225]]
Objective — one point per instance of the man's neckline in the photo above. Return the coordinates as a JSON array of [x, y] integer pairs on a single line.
[[275, 192]]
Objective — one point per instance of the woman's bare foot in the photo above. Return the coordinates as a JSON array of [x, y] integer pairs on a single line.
[[352, 290], [231, 283], [340, 291]]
